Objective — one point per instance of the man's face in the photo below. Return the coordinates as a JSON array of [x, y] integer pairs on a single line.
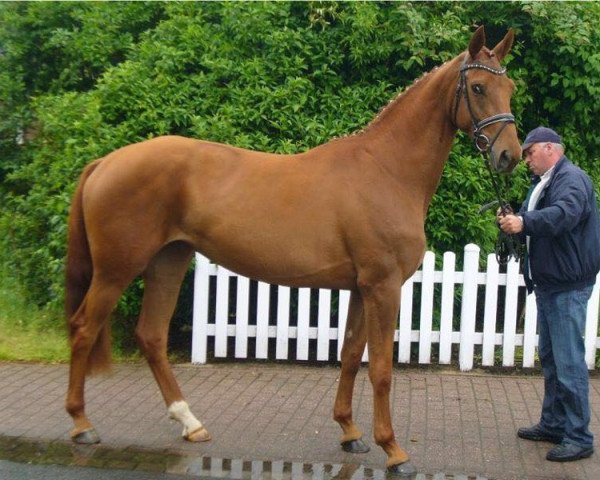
[[537, 158]]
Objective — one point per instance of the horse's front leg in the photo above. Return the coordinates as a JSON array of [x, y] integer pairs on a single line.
[[381, 301], [355, 339]]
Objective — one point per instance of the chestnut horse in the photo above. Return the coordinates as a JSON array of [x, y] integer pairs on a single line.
[[348, 214]]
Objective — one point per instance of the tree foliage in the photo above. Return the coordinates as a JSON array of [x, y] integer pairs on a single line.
[[78, 80]]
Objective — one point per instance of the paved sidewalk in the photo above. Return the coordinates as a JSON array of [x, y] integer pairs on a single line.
[[274, 421]]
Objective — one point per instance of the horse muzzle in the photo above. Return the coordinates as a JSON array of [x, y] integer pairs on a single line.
[[505, 162]]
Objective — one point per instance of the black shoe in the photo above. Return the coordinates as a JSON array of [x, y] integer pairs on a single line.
[[537, 434], [567, 452]]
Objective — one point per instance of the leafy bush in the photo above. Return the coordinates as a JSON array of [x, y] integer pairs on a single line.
[[78, 80]]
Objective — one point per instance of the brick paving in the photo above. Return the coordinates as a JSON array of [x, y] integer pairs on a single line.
[[276, 418]]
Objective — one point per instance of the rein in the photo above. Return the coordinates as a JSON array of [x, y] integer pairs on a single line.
[[507, 245]]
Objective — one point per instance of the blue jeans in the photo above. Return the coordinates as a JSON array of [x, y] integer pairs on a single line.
[[561, 324]]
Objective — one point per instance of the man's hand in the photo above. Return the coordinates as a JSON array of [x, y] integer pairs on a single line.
[[509, 223]]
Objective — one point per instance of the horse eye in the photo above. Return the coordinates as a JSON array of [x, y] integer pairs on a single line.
[[477, 89]]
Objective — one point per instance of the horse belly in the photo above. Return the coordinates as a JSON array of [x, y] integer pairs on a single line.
[[272, 242], [279, 256]]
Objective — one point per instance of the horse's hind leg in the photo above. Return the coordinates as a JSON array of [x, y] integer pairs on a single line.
[[85, 327], [162, 281], [355, 338]]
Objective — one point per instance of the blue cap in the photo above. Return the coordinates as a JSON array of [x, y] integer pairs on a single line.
[[540, 135]]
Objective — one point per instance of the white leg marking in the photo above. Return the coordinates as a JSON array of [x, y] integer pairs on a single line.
[[181, 411]]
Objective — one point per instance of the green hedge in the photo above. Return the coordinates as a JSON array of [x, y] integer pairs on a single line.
[[81, 79]]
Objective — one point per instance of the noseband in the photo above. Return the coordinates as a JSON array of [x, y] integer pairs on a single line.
[[482, 141]]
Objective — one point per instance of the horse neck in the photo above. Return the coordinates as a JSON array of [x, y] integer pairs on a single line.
[[412, 137]]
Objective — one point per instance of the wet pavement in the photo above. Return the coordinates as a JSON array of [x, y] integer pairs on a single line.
[[23, 471], [273, 421]]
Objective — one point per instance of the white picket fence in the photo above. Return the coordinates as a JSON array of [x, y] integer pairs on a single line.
[[315, 338]]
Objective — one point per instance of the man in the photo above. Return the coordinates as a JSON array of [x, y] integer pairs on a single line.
[[560, 224]]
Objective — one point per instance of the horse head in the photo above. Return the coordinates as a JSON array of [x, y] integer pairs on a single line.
[[482, 102]]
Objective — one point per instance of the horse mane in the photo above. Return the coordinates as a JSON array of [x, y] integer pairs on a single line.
[[403, 95], [399, 98]]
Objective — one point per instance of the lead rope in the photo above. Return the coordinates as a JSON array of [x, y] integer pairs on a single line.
[[507, 245]]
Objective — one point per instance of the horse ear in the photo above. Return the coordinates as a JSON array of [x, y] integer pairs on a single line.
[[502, 49], [477, 42]]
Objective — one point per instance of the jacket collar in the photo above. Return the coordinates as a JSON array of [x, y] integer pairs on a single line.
[[558, 166]]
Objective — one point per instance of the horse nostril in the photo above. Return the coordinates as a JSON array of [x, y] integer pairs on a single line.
[[504, 161]]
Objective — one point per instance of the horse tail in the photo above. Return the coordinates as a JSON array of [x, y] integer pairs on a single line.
[[78, 276]]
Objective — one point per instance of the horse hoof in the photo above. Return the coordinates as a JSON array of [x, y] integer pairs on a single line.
[[355, 446], [198, 435], [87, 437], [403, 470]]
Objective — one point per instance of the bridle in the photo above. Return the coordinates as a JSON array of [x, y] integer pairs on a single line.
[[507, 246], [482, 141]]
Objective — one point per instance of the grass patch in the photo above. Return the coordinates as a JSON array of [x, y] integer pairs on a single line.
[[32, 334], [29, 333]]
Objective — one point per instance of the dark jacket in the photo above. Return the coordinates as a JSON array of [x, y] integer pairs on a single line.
[[564, 230]]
